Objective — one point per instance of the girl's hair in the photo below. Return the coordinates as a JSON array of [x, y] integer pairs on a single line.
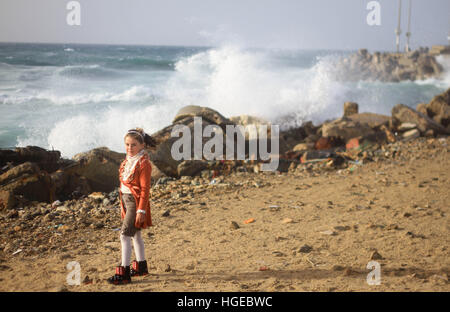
[[139, 135]]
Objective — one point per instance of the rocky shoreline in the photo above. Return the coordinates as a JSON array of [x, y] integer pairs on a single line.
[[31, 174], [392, 67]]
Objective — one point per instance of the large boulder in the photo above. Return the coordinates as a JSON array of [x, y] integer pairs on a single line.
[[161, 156], [350, 108], [346, 129], [207, 113], [69, 185], [371, 119], [402, 113], [46, 160], [100, 166], [439, 108], [26, 181]]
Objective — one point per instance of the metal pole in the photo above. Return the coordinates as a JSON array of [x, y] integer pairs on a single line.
[[398, 30], [408, 33]]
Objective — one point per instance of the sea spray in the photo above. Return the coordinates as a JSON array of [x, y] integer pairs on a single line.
[[78, 100]]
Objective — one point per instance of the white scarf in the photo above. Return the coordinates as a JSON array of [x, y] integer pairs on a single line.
[[130, 164]]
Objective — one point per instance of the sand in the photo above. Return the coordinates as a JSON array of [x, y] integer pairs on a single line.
[[312, 231]]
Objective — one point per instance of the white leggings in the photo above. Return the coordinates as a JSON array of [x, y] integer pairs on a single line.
[[138, 245]]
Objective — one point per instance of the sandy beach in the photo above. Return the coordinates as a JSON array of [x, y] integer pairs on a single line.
[[312, 230]]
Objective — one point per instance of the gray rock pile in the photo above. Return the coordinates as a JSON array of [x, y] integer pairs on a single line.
[[393, 67]]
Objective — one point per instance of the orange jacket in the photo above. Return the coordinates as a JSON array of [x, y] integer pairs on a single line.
[[139, 183]]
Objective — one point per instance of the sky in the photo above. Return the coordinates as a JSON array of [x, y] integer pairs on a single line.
[[288, 24]]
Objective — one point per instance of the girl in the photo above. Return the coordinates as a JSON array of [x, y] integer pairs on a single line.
[[135, 177]]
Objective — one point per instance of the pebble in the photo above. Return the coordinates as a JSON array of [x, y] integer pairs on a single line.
[[56, 203], [305, 249], [348, 271], [166, 213], [328, 232], [287, 220], [87, 280], [13, 214], [376, 256], [234, 225], [342, 228]]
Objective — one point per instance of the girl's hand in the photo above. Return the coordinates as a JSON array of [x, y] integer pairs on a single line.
[[140, 219]]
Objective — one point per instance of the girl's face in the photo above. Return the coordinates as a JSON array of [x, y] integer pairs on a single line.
[[132, 146]]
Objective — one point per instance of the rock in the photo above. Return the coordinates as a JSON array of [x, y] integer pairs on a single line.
[[48, 217], [234, 225], [311, 155], [376, 256], [405, 126], [349, 271], [100, 166], [97, 196], [346, 129], [62, 209], [246, 120], [206, 113], [342, 228], [7, 200], [16, 172], [430, 133], [390, 137], [166, 213], [328, 232], [162, 155], [368, 141], [286, 220], [388, 66], [337, 267], [305, 249], [56, 204], [28, 181], [411, 135], [191, 167], [439, 108], [303, 147], [44, 159], [422, 108], [350, 108], [324, 143], [371, 119], [403, 113]]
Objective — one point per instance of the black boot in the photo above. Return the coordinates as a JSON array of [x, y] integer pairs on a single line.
[[139, 268], [122, 276]]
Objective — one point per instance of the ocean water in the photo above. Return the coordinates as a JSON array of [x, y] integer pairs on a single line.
[[73, 98]]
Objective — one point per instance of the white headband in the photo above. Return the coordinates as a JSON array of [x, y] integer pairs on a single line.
[[134, 131]]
